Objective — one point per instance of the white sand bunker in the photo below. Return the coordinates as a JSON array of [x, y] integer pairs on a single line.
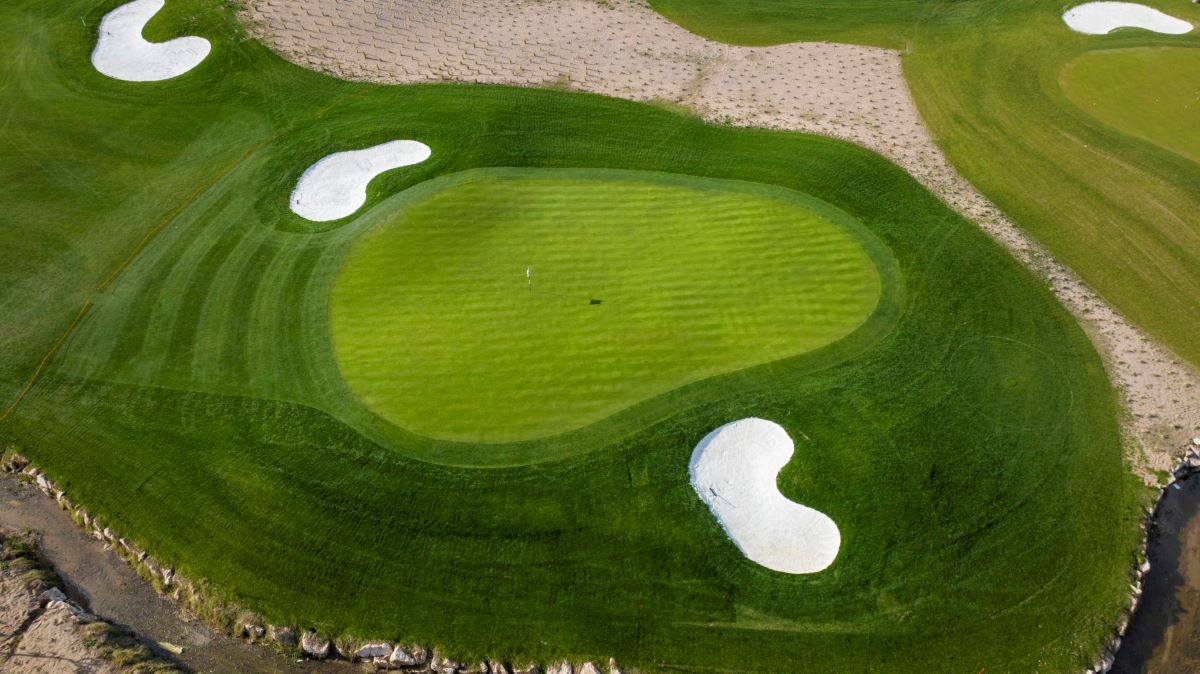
[[336, 186], [123, 54], [734, 471], [1099, 18]]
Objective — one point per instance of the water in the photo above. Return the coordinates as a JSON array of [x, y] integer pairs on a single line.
[[1164, 634]]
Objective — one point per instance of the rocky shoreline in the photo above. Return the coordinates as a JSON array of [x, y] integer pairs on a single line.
[[378, 654], [1188, 464], [419, 659]]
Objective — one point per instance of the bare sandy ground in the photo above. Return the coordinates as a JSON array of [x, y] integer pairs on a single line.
[[104, 584], [623, 48]]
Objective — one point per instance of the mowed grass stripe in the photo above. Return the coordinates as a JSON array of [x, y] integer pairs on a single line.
[[587, 544], [638, 287]]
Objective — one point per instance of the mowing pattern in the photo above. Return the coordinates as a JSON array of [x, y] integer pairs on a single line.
[[198, 406], [1127, 245], [637, 287]]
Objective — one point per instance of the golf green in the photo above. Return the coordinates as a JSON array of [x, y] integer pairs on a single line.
[[1146, 92], [495, 308]]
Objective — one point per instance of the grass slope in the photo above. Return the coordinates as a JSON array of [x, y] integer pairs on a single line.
[[1149, 93], [966, 446], [1120, 211], [644, 283]]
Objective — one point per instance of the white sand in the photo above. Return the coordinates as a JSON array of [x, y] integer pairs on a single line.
[[122, 53], [734, 471], [336, 186], [1099, 18]]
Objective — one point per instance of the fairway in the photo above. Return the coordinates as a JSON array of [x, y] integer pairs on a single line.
[[639, 284], [1147, 92]]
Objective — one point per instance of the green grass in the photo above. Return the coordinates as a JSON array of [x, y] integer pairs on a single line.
[[644, 283], [964, 439], [1118, 210], [1147, 92]]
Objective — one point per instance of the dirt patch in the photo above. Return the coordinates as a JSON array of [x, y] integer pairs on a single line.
[[42, 630], [623, 48], [100, 581]]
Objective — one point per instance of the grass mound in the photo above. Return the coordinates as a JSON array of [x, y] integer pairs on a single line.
[[1146, 92], [641, 283]]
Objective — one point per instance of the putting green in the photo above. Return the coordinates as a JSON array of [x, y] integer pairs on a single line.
[[1146, 92], [640, 283]]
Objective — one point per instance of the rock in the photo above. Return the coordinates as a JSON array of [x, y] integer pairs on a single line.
[[612, 667], [15, 463], [314, 646], [562, 667], [138, 553], [588, 668], [284, 636], [411, 656], [372, 650], [499, 668], [168, 575], [252, 630], [1145, 567], [531, 668], [1195, 443], [43, 483], [440, 663], [54, 598]]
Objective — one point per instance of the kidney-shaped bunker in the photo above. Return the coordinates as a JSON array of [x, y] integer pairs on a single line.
[[122, 53], [733, 470]]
